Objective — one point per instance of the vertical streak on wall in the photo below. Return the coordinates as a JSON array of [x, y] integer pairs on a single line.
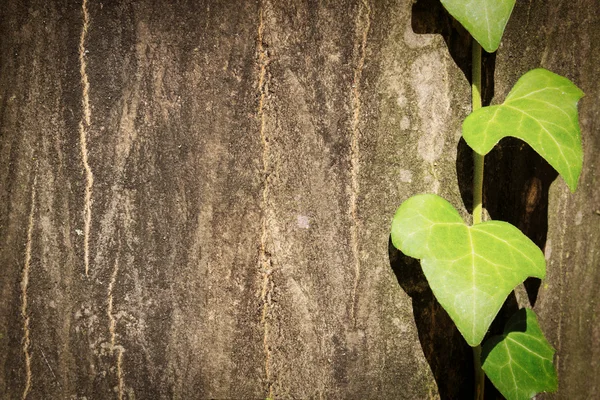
[[24, 285], [264, 256], [363, 21], [112, 328], [84, 125]]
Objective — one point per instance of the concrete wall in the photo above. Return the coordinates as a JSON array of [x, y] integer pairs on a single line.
[[195, 197]]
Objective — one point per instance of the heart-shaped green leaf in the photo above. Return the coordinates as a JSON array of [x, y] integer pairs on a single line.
[[519, 362], [470, 269], [541, 109], [484, 19]]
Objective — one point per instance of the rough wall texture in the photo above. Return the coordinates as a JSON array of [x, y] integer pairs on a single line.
[[195, 197], [565, 38]]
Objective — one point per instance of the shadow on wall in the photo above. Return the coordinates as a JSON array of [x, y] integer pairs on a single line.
[[448, 355], [516, 187]]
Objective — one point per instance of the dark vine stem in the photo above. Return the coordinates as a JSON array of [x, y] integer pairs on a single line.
[[477, 196], [479, 375]]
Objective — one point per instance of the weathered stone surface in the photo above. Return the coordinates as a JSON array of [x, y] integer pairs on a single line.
[[564, 37], [196, 197]]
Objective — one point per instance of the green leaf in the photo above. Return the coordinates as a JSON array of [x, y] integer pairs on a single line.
[[541, 109], [519, 362], [470, 269], [484, 19]]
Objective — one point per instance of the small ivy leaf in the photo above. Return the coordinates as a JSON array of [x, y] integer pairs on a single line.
[[484, 19], [541, 110], [519, 362], [470, 269]]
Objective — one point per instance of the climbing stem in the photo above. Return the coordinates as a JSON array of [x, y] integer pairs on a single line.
[[477, 196], [479, 375], [478, 159], [477, 187]]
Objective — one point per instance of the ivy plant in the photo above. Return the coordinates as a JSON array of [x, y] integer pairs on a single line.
[[472, 269]]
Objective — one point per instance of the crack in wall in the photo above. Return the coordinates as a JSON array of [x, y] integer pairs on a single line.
[[112, 328], [363, 20], [120, 372], [265, 262], [49, 367], [24, 285], [84, 125]]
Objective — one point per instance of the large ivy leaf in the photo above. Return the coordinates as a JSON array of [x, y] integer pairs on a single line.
[[541, 109], [470, 269], [484, 19], [519, 362]]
